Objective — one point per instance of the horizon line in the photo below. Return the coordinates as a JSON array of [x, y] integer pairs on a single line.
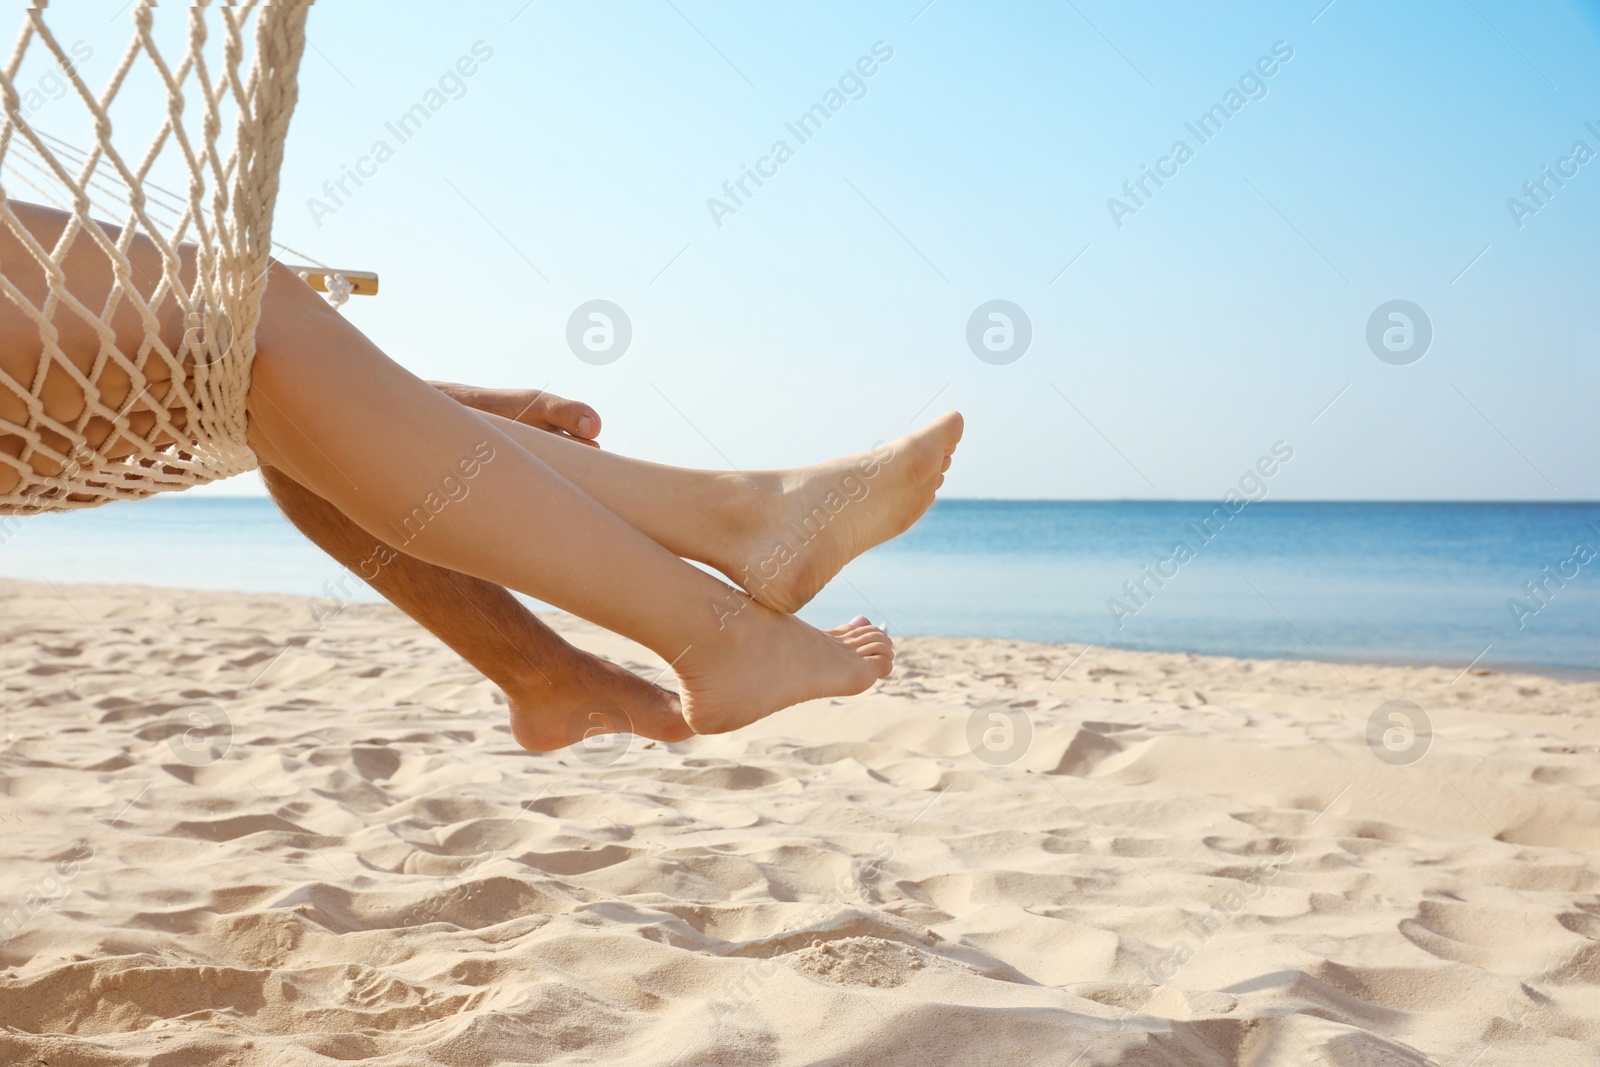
[[1082, 499]]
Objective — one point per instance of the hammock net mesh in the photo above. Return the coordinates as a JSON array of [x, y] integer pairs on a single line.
[[202, 93]]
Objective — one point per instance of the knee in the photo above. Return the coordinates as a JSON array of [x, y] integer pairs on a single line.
[[284, 284], [291, 313]]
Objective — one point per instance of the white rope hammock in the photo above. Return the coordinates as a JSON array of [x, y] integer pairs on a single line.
[[226, 115]]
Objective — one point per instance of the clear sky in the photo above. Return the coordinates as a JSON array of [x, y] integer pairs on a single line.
[[1174, 338]]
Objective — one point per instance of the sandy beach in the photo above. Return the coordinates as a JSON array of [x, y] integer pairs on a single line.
[[1008, 853]]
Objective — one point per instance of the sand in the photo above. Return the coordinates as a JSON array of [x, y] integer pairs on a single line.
[[1165, 859]]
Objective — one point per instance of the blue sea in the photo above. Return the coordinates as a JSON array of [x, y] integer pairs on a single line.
[[1421, 583]]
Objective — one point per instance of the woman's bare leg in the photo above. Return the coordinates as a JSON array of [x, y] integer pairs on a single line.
[[780, 534], [398, 457]]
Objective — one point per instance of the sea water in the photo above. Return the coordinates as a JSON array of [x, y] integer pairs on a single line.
[[1425, 583]]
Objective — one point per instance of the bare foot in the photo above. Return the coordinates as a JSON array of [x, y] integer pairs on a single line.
[[819, 518], [768, 661], [588, 697]]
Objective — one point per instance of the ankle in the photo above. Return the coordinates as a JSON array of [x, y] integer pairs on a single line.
[[741, 507], [747, 500]]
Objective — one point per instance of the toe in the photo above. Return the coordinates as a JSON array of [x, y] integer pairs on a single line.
[[949, 427], [877, 645], [870, 641], [881, 656]]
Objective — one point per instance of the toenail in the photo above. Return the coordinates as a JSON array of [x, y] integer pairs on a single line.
[[585, 424]]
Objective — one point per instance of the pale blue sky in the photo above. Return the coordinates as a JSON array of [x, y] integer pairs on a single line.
[[832, 307]]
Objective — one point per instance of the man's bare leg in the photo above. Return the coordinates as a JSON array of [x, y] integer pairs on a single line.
[[557, 693]]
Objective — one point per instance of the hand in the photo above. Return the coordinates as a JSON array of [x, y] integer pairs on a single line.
[[571, 419]]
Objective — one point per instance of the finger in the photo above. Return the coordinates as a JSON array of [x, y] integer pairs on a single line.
[[572, 416]]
